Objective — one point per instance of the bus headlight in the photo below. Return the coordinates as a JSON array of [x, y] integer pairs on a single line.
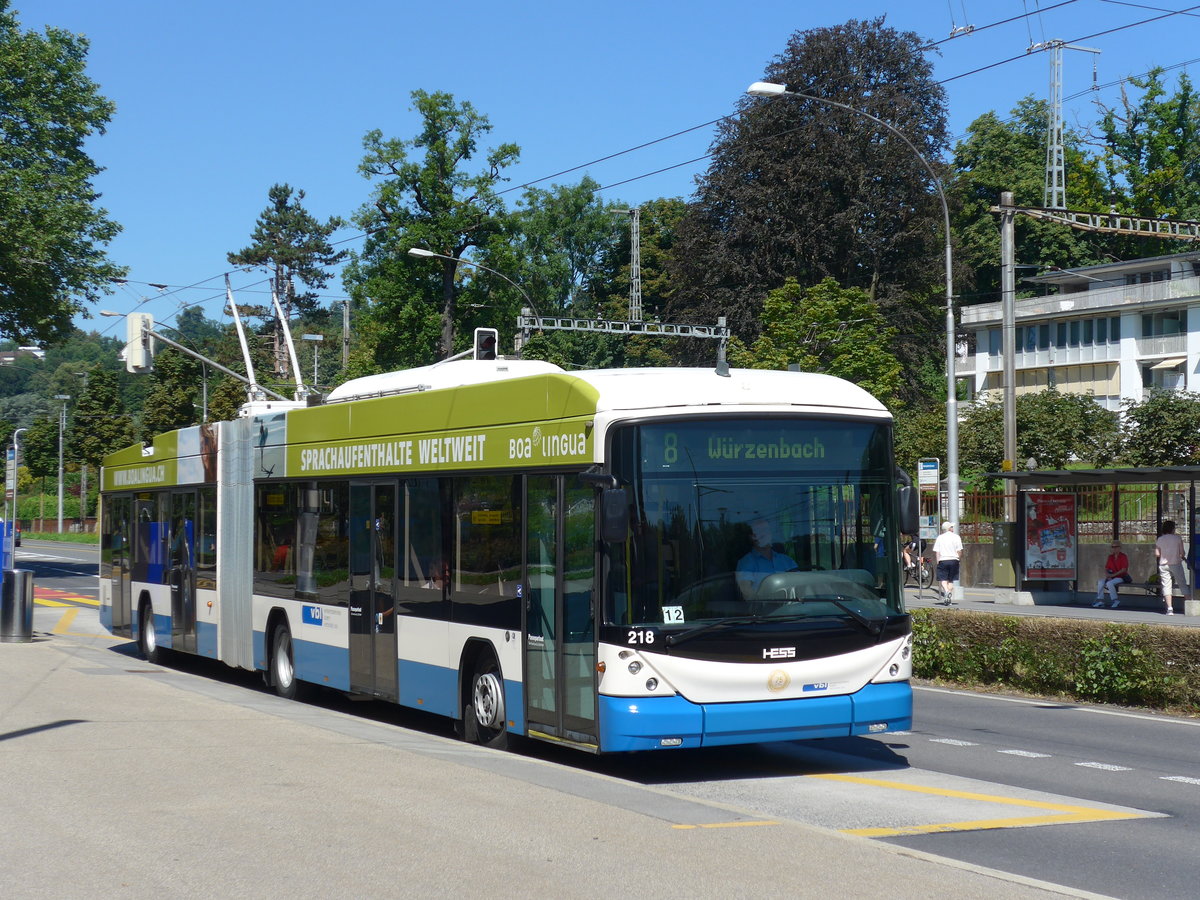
[[651, 683], [635, 667]]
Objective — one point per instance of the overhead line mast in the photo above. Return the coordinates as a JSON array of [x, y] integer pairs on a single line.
[[1055, 196]]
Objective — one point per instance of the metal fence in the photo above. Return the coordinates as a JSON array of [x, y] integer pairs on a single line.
[[1130, 512]]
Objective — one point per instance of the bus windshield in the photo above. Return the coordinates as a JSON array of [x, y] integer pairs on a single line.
[[742, 519]]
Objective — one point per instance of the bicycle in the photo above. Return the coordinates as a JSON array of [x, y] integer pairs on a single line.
[[920, 572]]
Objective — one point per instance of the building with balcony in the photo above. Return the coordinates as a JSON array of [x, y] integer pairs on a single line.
[[1113, 331]]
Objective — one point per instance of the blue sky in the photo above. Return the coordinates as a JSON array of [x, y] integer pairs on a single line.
[[217, 101]]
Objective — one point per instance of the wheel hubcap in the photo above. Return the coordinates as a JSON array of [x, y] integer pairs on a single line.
[[489, 700], [283, 662], [150, 637]]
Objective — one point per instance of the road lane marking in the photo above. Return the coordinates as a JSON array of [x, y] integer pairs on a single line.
[[724, 825], [1057, 813], [952, 742], [1028, 754], [1107, 767], [1170, 720], [1182, 778]]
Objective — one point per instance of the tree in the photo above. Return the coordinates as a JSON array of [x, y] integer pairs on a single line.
[[826, 328], [52, 231], [1163, 429], [801, 189], [1010, 155], [1053, 429], [171, 401], [436, 203], [100, 424], [1149, 149], [294, 246]]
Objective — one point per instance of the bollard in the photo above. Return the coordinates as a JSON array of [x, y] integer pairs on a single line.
[[16, 607]]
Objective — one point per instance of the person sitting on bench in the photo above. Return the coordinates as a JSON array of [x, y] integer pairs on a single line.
[[1116, 572]]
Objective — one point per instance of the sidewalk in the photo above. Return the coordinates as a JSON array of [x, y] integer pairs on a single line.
[[1133, 609]]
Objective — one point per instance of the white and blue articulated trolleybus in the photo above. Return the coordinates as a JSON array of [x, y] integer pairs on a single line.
[[615, 560]]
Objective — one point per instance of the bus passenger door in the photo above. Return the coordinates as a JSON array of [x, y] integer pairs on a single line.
[[560, 626], [119, 531], [372, 589], [181, 570]]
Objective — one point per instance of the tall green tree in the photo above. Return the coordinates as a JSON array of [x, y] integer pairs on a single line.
[[830, 329], [1150, 148], [445, 202], [173, 399], [52, 230], [800, 189], [100, 423], [293, 245], [1010, 155]]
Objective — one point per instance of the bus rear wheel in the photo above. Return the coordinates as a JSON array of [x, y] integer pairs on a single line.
[[483, 717]]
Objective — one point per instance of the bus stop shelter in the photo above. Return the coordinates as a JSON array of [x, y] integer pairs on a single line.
[[1055, 536]]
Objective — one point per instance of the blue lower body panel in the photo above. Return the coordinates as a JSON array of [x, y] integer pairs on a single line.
[[206, 639], [649, 723]]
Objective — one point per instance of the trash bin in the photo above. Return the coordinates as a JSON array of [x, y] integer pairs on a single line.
[[16, 607]]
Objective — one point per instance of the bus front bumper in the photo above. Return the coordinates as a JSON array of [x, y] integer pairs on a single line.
[[655, 723]]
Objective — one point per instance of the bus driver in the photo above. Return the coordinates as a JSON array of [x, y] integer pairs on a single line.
[[761, 561]]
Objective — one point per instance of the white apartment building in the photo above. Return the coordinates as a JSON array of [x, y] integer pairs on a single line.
[[1113, 331]]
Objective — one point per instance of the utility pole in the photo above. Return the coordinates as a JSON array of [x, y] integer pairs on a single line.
[[1008, 340], [345, 334]]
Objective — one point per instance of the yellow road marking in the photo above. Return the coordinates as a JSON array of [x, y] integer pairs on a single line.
[[724, 825], [46, 601], [65, 622], [1066, 813]]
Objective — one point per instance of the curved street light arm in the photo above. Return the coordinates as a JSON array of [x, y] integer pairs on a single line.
[[769, 89]]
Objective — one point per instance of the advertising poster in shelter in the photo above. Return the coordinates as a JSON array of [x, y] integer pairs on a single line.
[[1050, 540]]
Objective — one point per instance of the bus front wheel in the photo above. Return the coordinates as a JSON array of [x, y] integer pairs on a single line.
[[148, 636], [483, 717], [283, 664]]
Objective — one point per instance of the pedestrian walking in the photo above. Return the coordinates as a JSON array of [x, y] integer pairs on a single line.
[[1170, 552], [948, 551]]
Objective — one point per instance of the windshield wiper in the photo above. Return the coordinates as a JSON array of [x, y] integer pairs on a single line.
[[680, 637], [872, 626]]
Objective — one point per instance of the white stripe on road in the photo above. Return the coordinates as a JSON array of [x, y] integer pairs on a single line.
[[1029, 754]]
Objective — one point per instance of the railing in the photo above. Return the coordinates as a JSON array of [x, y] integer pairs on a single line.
[[1137, 512]]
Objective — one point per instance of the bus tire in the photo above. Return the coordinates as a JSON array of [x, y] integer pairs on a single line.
[[283, 664], [148, 635], [483, 716]]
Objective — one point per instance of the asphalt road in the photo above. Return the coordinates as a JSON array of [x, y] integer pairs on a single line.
[[190, 779]]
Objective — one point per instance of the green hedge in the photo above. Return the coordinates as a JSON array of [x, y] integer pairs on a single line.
[[1132, 665]]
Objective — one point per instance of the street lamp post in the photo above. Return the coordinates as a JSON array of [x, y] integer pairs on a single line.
[[62, 424], [767, 89], [16, 515], [316, 345]]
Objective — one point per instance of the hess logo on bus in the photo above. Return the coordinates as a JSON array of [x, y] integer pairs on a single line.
[[779, 653]]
